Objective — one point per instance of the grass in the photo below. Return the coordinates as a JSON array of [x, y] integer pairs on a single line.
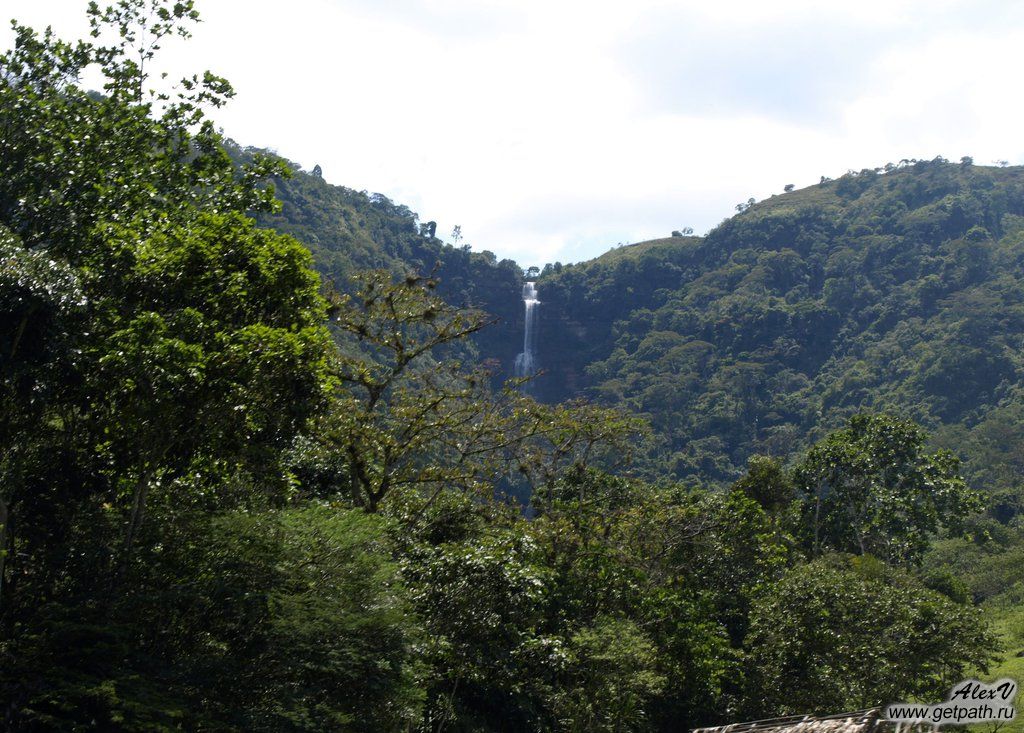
[[1008, 622], [651, 246]]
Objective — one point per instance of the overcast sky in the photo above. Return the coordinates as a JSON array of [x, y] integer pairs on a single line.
[[553, 130]]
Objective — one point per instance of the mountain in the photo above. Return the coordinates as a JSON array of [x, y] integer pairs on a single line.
[[348, 231], [212, 517], [898, 289], [894, 289]]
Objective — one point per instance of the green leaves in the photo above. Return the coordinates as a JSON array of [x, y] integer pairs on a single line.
[[847, 633], [897, 292], [163, 352], [614, 671], [872, 488]]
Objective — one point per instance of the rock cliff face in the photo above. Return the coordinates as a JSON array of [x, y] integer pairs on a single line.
[[563, 349]]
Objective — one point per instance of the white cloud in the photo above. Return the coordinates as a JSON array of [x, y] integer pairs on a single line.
[[551, 130]]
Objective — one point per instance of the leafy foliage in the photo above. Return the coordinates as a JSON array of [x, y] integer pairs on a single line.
[[216, 514], [872, 489], [841, 634], [895, 290]]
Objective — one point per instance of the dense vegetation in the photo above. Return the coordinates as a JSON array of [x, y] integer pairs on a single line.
[[348, 231], [234, 497], [884, 290]]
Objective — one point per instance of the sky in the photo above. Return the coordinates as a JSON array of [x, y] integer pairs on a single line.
[[553, 130]]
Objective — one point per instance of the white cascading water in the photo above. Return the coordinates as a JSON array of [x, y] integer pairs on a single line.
[[526, 362]]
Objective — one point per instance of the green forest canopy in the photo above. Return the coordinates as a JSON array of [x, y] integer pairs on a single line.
[[896, 289], [233, 497]]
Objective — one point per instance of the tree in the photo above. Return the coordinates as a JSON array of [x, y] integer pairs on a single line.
[[767, 483], [408, 416], [248, 365], [402, 418], [568, 438], [872, 488], [613, 675], [482, 601], [43, 304], [847, 633], [299, 619], [669, 570], [163, 352]]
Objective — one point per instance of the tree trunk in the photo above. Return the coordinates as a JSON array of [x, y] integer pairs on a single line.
[[18, 335], [817, 522], [355, 476], [138, 512], [4, 518]]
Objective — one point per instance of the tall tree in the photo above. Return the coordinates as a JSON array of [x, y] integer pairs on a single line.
[[874, 488], [846, 633], [163, 352]]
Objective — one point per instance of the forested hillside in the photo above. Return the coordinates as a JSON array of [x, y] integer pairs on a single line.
[[348, 231], [897, 290], [237, 496]]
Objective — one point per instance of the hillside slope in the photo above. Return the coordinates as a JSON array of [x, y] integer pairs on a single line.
[[901, 290], [349, 230]]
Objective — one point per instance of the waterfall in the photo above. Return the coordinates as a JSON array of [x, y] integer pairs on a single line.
[[526, 362]]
